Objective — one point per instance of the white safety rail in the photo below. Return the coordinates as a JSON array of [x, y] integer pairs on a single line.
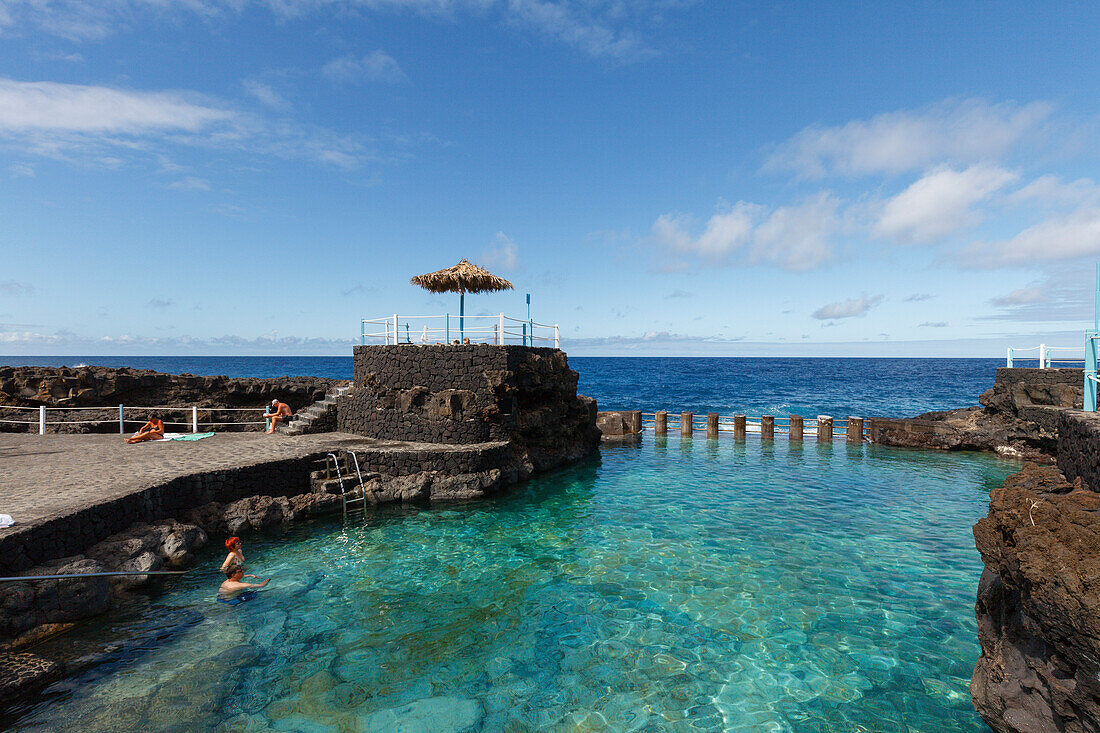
[[782, 425], [42, 415], [1046, 357], [447, 328]]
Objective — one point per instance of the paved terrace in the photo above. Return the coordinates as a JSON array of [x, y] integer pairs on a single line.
[[51, 479]]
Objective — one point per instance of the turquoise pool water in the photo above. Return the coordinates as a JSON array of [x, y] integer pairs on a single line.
[[693, 585]]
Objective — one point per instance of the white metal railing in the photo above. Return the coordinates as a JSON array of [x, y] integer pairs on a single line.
[[1044, 356], [194, 423], [448, 329]]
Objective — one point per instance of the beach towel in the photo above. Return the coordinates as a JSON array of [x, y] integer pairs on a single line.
[[182, 436], [191, 436]]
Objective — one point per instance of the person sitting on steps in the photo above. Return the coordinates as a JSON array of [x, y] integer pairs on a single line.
[[279, 411], [152, 430]]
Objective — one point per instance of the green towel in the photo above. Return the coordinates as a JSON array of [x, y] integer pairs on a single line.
[[194, 436]]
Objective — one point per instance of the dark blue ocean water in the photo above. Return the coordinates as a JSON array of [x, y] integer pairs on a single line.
[[803, 386]]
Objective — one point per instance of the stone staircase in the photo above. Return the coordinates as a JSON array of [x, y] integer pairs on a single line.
[[320, 417]]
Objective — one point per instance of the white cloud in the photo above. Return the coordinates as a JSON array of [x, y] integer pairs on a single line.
[[566, 22], [933, 324], [108, 124], [954, 131], [53, 107], [1051, 190], [1022, 296], [1059, 238], [598, 28], [21, 170], [851, 308], [190, 183], [940, 203], [792, 237], [14, 287], [797, 237], [502, 254], [375, 66], [265, 94]]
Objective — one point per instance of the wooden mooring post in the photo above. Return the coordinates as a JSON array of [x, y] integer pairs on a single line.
[[739, 429], [767, 427], [712, 425], [824, 428], [855, 429], [686, 419], [660, 423], [795, 430]]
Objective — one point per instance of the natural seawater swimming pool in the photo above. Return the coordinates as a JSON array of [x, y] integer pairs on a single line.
[[682, 584]]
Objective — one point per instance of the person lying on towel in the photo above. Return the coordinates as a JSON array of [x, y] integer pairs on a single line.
[[152, 430]]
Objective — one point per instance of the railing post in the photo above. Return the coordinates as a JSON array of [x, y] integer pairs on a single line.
[[685, 423], [855, 429], [194, 419], [447, 340], [525, 334], [1090, 371], [362, 333], [500, 333], [795, 430], [1042, 356], [1009, 363], [395, 329], [121, 422], [767, 427], [712, 424], [531, 329], [739, 427], [557, 344], [41, 419], [824, 428], [660, 423]]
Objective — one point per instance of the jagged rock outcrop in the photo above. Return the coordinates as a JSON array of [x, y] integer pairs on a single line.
[[93, 386], [1038, 606], [1018, 417]]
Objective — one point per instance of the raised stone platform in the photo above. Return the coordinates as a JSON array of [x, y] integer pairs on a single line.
[[67, 492]]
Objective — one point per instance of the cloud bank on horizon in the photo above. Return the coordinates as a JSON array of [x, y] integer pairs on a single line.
[[666, 176]]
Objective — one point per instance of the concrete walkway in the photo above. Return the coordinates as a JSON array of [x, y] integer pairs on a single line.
[[43, 477]]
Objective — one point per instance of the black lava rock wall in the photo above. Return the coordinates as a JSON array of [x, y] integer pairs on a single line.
[[472, 394]]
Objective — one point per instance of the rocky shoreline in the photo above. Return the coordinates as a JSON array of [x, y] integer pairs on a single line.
[[93, 386], [1017, 417]]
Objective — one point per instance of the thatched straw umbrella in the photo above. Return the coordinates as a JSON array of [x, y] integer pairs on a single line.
[[462, 278]]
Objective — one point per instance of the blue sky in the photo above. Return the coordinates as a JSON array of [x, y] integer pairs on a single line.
[[663, 176]]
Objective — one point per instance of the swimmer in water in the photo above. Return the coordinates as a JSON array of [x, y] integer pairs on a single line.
[[233, 587], [236, 554]]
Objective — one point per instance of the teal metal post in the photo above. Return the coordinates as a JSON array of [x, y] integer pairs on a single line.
[[1090, 371], [461, 314], [407, 339], [525, 334], [447, 340], [121, 422], [532, 329]]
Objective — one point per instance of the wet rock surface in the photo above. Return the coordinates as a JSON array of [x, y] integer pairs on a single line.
[[1038, 606]]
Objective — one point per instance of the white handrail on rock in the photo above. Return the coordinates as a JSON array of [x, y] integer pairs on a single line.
[[1044, 355], [498, 329]]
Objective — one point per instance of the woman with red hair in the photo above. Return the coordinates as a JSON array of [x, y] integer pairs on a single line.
[[236, 553]]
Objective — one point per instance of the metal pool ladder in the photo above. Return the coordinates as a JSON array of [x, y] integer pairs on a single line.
[[362, 499]]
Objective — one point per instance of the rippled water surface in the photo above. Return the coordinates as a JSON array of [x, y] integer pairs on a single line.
[[694, 585]]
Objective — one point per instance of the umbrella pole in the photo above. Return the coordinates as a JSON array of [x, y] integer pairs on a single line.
[[461, 315]]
